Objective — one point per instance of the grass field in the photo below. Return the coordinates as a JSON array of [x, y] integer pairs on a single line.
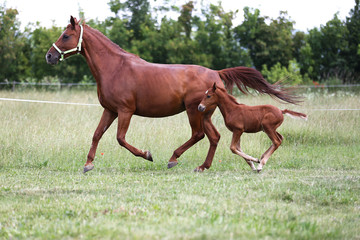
[[309, 189]]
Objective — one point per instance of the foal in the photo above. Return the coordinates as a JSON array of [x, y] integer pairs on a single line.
[[241, 118]]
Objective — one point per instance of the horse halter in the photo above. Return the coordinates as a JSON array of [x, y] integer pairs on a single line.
[[76, 49]]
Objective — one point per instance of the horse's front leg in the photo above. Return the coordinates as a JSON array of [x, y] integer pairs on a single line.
[[195, 120], [214, 137], [123, 125], [106, 120]]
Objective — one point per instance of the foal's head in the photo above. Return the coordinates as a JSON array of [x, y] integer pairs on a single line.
[[68, 43], [210, 99]]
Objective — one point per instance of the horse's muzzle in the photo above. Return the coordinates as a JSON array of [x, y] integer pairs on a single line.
[[52, 58], [201, 108]]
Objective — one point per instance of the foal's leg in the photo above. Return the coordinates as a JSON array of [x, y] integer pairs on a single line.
[[276, 139], [235, 148], [214, 137], [195, 120], [123, 125], [106, 120]]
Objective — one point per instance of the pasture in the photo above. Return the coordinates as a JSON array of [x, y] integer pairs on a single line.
[[309, 188]]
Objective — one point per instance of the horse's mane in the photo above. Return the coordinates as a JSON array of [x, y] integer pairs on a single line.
[[107, 40]]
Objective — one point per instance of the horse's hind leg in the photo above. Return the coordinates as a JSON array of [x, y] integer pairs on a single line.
[[106, 120], [123, 125], [195, 120], [276, 139], [235, 148]]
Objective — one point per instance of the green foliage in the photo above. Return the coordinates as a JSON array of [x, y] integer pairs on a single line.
[[327, 48], [268, 44], [306, 61], [116, 6], [209, 39], [13, 46], [353, 38], [185, 18], [290, 75]]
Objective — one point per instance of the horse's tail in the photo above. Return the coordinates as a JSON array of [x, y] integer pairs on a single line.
[[294, 114], [245, 77]]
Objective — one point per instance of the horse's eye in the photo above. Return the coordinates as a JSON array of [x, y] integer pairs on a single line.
[[65, 36], [208, 96]]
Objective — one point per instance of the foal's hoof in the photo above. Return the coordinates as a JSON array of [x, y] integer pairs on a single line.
[[149, 156], [198, 169], [172, 164], [259, 170], [88, 167]]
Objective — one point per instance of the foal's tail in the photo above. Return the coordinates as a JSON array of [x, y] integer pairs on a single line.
[[294, 114], [245, 77]]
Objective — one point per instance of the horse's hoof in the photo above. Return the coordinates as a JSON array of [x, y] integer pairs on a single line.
[[259, 170], [149, 156], [88, 167], [198, 169], [172, 164]]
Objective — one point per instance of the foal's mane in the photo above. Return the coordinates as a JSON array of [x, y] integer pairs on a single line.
[[224, 92]]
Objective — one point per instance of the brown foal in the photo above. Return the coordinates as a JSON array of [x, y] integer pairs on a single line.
[[240, 118]]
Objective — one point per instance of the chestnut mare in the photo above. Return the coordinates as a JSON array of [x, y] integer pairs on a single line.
[[127, 85], [240, 118]]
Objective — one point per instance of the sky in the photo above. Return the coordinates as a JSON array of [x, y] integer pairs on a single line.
[[306, 13]]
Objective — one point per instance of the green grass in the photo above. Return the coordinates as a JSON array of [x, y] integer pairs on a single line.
[[309, 189]]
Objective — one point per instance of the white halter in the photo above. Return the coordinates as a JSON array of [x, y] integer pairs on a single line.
[[76, 49]]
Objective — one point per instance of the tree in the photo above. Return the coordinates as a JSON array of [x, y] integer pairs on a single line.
[[327, 48], [267, 44], [249, 35], [118, 32], [281, 43], [116, 6], [353, 37], [139, 15], [307, 62], [12, 43], [298, 41], [334, 46], [185, 18], [216, 38]]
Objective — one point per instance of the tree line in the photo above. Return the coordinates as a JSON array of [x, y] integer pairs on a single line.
[[272, 46]]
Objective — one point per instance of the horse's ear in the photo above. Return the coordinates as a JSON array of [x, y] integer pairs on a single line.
[[72, 21], [214, 87]]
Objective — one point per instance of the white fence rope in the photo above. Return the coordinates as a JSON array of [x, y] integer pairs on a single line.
[[334, 109], [98, 105], [329, 86], [52, 102], [47, 84]]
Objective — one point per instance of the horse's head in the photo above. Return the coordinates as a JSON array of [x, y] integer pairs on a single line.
[[68, 43], [210, 99]]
